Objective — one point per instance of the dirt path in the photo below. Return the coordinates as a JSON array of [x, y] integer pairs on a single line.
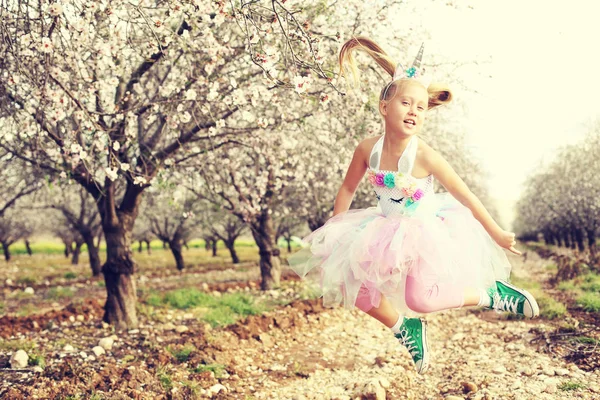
[[343, 355]]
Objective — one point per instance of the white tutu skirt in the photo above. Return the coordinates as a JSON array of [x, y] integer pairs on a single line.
[[442, 244]]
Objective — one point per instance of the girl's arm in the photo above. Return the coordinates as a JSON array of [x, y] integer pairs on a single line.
[[445, 174], [355, 172]]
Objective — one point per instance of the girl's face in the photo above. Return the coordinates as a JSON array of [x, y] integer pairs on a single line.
[[405, 112]]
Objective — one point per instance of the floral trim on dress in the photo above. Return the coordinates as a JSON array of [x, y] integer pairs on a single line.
[[407, 183]]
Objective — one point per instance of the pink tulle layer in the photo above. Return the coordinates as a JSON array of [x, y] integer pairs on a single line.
[[364, 248]]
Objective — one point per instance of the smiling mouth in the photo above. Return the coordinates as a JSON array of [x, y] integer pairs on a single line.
[[410, 122]]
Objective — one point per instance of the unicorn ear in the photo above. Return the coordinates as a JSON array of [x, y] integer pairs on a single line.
[[399, 72], [419, 57]]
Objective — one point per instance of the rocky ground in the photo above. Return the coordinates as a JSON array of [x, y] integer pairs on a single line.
[[296, 351]]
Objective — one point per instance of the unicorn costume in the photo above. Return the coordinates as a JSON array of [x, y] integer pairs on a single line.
[[417, 248]]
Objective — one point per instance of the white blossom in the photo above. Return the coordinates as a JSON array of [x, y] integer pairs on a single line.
[[111, 173]]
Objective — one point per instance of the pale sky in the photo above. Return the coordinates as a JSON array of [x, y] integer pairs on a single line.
[[544, 84]]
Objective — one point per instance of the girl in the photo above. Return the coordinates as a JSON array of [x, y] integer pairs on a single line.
[[417, 252]]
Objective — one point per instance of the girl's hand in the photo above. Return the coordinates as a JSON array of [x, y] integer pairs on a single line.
[[507, 240]]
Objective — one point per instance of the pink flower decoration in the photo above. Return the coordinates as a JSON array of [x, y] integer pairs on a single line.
[[417, 195], [371, 177], [408, 191], [379, 179]]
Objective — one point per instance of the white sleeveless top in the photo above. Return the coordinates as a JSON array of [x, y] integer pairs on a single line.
[[398, 192]]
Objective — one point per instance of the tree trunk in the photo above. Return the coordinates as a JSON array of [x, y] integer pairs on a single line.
[[139, 246], [289, 244], [186, 245], [28, 247], [165, 245], [591, 236], [567, 239], [270, 264], [572, 240], [92, 253], [315, 223], [68, 249], [578, 234], [214, 248], [206, 244], [6, 251], [230, 244], [76, 252], [118, 275], [148, 249], [175, 246]]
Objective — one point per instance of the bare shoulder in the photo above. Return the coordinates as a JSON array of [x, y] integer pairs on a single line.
[[426, 154], [366, 145], [425, 150]]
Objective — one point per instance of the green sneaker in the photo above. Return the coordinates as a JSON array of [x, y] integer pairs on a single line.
[[510, 298], [413, 335]]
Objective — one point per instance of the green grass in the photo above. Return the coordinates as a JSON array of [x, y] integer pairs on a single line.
[[26, 280], [181, 354], [585, 340], [550, 308], [589, 301], [570, 386], [56, 247], [218, 311], [37, 359], [70, 275], [2, 307], [217, 369], [27, 309], [585, 289], [165, 379], [14, 345], [59, 293]]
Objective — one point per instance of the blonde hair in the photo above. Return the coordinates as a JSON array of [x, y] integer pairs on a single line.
[[438, 94]]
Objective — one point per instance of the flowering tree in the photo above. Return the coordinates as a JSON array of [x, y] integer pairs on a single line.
[[16, 181], [80, 214], [218, 224], [170, 218], [561, 201], [15, 224], [108, 94]]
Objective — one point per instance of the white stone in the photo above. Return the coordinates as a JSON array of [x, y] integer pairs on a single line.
[[169, 326], [68, 347], [37, 368], [501, 369], [181, 328], [19, 359], [561, 371], [106, 343], [29, 290], [451, 397], [8, 282], [83, 354], [217, 388], [98, 351], [551, 388]]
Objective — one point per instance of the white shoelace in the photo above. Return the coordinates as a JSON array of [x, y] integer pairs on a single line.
[[506, 303], [405, 339]]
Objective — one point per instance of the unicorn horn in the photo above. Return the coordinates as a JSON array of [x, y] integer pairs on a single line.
[[417, 62]]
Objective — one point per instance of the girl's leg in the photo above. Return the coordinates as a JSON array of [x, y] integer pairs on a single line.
[[428, 296], [411, 332], [384, 313]]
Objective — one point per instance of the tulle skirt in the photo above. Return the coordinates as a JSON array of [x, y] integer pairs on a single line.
[[364, 250]]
